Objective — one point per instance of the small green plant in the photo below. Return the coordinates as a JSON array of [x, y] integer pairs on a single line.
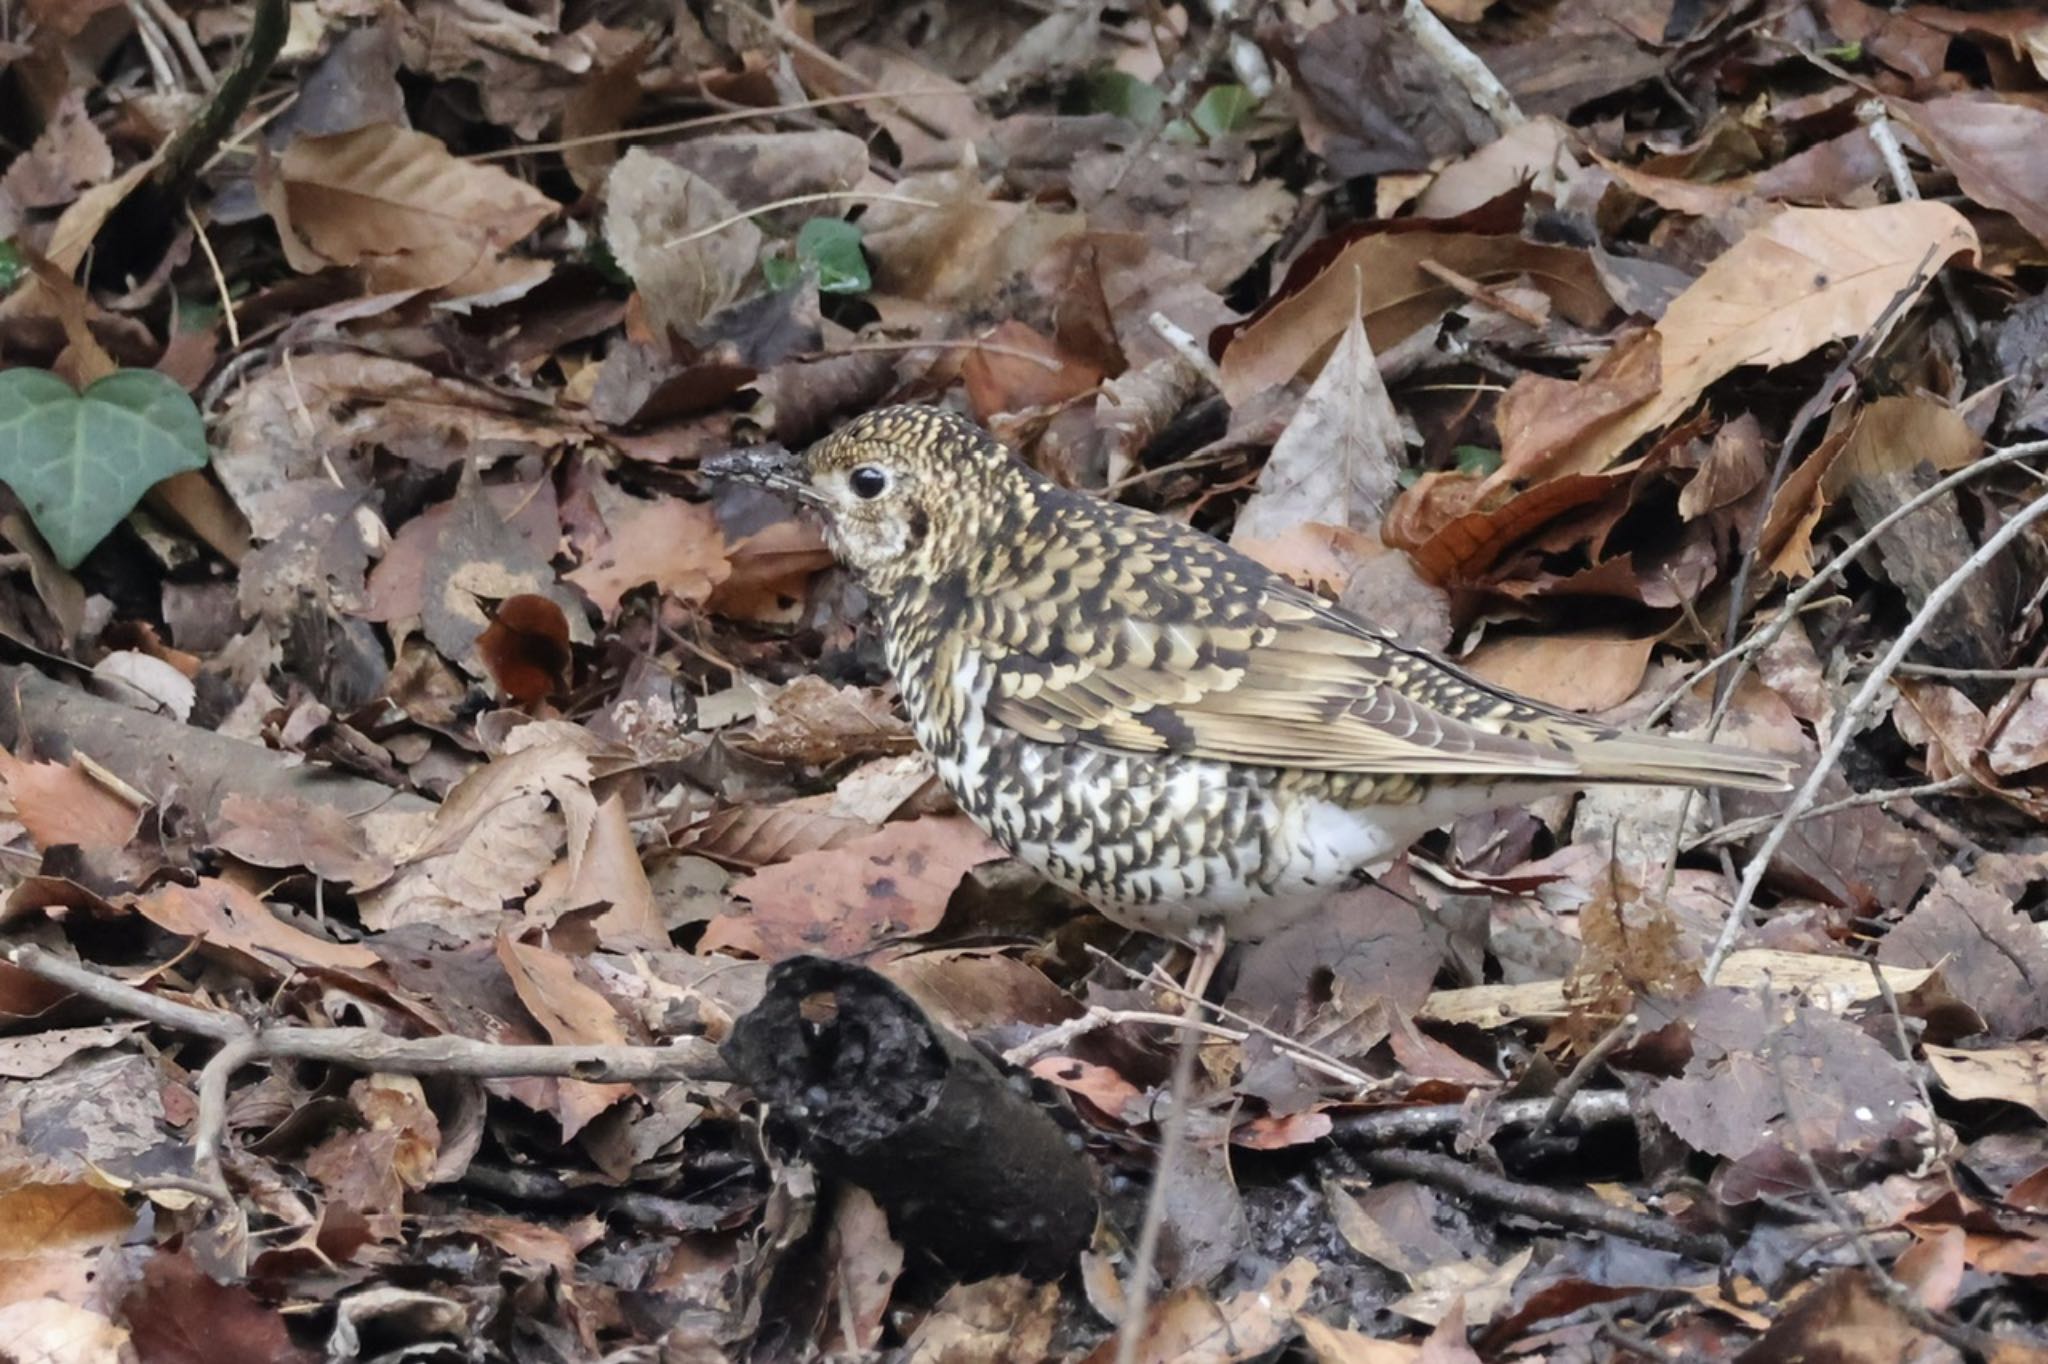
[[81, 461], [832, 246], [1224, 109]]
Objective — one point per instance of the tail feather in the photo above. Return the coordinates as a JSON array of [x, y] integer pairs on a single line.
[[1681, 762]]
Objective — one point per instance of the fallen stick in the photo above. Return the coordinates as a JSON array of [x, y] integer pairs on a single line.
[[1559, 1206]]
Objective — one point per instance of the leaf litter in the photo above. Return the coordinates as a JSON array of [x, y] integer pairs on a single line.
[[448, 702]]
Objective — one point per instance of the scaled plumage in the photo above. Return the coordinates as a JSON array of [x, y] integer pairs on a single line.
[[1150, 718]]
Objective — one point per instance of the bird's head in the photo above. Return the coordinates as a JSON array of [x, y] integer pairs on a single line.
[[905, 492]]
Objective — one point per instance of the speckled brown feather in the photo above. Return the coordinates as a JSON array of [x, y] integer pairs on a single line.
[[1157, 722], [1117, 628]]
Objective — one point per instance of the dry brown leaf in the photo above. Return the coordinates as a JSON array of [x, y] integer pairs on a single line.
[[1589, 672], [224, 915], [401, 206], [811, 721], [59, 803], [2016, 1074], [1339, 459], [494, 835], [572, 1014], [1401, 298], [1190, 1327], [673, 544], [1994, 148], [610, 873], [959, 252], [845, 900], [1803, 278], [658, 220], [285, 831]]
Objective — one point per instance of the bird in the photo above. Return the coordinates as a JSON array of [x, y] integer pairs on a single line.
[[1190, 742]]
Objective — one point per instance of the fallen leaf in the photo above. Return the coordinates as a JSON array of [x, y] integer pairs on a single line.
[[59, 803], [673, 544], [1339, 458], [1401, 298], [572, 1014], [1993, 146], [1586, 672], [399, 204], [179, 1315], [224, 915], [1987, 949], [2016, 1074], [841, 901], [672, 230], [1803, 278], [285, 831]]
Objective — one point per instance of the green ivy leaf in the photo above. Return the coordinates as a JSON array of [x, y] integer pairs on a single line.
[[1121, 93], [1224, 109], [1477, 459], [81, 461], [833, 245]]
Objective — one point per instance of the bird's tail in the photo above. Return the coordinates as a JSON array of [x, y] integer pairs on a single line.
[[1681, 762]]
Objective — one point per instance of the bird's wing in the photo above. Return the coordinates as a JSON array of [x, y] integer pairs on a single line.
[[1153, 640]]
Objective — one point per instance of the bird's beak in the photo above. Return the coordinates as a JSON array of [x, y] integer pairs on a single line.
[[765, 466]]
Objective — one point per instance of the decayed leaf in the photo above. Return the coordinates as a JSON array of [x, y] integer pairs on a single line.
[[1989, 952], [658, 220], [225, 915], [1401, 298], [1803, 278], [840, 901], [572, 1014], [812, 721], [397, 203], [494, 835], [2016, 1074], [673, 544], [1994, 148], [1582, 672], [1338, 460], [60, 803]]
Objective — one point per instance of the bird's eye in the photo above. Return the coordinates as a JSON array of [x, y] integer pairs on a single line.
[[868, 481]]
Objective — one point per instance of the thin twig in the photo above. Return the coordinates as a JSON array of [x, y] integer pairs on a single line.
[[1397, 1126], [1557, 1206], [795, 200], [1480, 85], [156, 45], [684, 125], [1172, 1137], [1736, 830], [1973, 674], [1876, 119], [1045, 362], [220, 280], [1097, 1018], [686, 1058], [1851, 719], [180, 33], [1588, 1066], [1187, 347]]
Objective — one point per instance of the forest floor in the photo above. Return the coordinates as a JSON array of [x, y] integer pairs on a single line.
[[383, 689]]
